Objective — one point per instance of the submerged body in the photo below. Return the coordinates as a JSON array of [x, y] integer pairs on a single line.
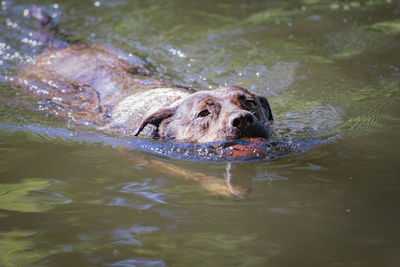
[[92, 84], [95, 85], [85, 81]]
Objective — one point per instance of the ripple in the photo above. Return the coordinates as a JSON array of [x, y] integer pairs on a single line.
[[137, 262], [30, 196], [127, 236], [139, 195], [283, 143]]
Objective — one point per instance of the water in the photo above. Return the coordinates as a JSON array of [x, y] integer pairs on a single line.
[[71, 196]]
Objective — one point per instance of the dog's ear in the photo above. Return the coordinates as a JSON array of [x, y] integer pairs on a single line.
[[262, 99], [156, 118], [267, 109]]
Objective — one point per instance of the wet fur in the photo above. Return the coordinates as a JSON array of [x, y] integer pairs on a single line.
[[95, 85]]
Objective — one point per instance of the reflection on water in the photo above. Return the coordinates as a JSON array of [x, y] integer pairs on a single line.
[[134, 262], [29, 196], [17, 248], [145, 195], [327, 180], [126, 236]]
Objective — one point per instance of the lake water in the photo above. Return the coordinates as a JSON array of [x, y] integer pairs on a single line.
[[72, 196]]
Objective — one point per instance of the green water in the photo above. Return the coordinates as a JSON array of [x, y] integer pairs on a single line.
[[69, 197]]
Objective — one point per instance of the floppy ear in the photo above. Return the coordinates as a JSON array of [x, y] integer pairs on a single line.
[[267, 107], [264, 103], [156, 118], [263, 100]]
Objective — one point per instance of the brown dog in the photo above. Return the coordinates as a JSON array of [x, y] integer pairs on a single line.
[[93, 84]]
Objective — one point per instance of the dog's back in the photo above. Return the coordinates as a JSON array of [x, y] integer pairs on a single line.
[[93, 84], [83, 82]]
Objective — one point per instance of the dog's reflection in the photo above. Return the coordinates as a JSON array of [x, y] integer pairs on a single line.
[[235, 182]]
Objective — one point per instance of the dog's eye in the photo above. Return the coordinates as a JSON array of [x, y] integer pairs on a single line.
[[204, 113], [251, 103]]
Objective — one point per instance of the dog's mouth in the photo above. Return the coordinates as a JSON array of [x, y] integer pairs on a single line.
[[255, 130]]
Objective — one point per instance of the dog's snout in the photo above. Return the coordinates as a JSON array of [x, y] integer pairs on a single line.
[[242, 120]]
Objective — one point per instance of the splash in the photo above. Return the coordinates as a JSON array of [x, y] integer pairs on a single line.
[[245, 149]]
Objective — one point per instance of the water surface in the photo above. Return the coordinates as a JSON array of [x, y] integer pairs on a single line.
[[70, 196]]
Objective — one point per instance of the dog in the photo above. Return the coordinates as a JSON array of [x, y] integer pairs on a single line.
[[95, 85]]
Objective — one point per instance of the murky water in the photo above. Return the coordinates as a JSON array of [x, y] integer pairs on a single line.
[[71, 196]]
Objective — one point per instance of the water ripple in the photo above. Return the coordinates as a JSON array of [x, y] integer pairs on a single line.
[[136, 262], [283, 144], [140, 195]]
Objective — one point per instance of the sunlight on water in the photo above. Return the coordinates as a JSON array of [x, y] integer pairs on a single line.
[[322, 191]]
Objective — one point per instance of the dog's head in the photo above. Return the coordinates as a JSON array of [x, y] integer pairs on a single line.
[[224, 114]]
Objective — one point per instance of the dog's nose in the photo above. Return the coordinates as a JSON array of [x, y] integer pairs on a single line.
[[242, 120]]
